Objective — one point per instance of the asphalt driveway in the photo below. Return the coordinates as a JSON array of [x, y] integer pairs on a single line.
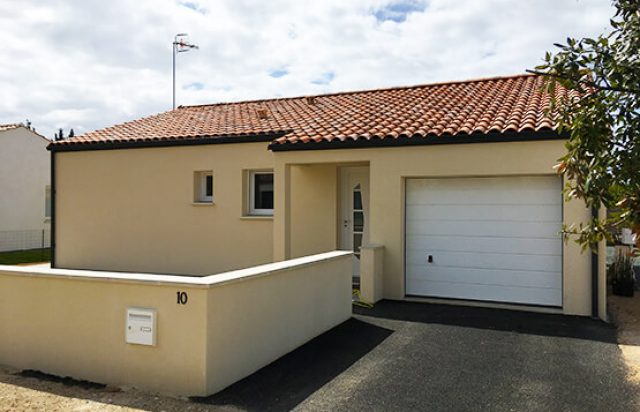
[[414, 356]]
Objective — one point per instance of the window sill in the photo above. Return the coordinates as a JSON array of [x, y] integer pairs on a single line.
[[256, 217], [203, 203], [47, 219]]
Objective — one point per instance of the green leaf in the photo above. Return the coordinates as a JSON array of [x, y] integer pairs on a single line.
[[603, 150]]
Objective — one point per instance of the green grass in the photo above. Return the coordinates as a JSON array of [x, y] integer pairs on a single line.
[[25, 256]]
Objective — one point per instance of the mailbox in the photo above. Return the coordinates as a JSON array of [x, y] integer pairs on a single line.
[[141, 326]]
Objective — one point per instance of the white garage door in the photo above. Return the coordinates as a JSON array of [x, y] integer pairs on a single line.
[[491, 239]]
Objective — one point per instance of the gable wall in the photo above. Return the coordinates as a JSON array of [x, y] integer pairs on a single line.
[[24, 175]]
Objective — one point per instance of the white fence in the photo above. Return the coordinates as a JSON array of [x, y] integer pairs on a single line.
[[24, 239]]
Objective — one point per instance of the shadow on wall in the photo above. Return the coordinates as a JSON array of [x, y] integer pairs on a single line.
[[540, 324], [291, 379]]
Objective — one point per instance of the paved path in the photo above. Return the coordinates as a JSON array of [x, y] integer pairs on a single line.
[[410, 356]]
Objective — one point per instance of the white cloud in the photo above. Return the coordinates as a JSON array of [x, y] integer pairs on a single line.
[[91, 64]]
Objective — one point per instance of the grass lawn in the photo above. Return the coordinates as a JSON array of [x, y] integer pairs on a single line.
[[25, 256]]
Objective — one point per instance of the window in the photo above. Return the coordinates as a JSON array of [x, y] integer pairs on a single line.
[[203, 187], [47, 202], [261, 193]]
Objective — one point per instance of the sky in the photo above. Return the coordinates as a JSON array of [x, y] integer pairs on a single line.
[[90, 64]]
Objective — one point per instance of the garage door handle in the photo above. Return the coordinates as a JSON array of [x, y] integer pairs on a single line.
[[430, 259]]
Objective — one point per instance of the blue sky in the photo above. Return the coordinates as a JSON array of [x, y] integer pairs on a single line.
[[88, 64], [398, 11]]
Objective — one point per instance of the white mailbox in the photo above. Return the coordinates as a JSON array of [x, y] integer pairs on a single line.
[[141, 326]]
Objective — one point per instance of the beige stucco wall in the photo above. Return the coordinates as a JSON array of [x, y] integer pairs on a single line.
[[602, 273], [24, 175], [132, 210], [72, 323], [314, 211], [76, 327], [389, 167], [250, 324], [371, 275]]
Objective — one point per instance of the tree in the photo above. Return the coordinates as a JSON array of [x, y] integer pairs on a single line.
[[59, 136], [71, 133], [602, 118]]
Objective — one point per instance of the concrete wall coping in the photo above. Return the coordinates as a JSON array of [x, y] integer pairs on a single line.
[[206, 281]]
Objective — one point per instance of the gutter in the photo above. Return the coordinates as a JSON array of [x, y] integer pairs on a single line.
[[52, 245], [145, 143], [419, 140]]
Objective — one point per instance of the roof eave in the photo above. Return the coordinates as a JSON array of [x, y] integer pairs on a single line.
[[362, 143], [169, 142]]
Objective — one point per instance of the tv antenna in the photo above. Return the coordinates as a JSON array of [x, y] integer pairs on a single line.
[[180, 45]]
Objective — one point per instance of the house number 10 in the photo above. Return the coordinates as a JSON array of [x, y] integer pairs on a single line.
[[182, 298]]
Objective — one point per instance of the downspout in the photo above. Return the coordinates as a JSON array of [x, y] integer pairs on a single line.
[[53, 208], [594, 272]]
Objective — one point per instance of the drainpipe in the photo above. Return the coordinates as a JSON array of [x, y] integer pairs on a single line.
[[53, 208], [594, 273]]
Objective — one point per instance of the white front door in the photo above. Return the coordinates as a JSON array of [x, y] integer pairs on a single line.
[[354, 212]]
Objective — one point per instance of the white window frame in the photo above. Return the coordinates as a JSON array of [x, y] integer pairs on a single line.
[[253, 211], [200, 187]]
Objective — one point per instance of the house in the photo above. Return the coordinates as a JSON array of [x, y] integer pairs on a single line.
[[24, 185], [450, 186]]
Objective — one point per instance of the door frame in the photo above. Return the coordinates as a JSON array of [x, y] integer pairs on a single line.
[[347, 175]]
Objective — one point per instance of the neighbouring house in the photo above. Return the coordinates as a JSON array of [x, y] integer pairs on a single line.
[[443, 191], [25, 190]]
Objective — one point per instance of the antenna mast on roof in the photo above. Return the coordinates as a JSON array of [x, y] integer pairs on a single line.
[[180, 44]]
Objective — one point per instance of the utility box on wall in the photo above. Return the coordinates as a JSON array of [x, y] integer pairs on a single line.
[[140, 328]]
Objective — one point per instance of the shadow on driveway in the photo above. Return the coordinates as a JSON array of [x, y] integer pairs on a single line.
[[283, 384], [540, 324]]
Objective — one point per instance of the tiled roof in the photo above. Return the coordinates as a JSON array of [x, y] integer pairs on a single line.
[[12, 126], [4, 127], [483, 106]]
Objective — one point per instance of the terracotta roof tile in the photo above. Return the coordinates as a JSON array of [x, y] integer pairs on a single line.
[[4, 127], [494, 105]]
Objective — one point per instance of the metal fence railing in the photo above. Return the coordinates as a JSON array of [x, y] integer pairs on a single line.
[[24, 239]]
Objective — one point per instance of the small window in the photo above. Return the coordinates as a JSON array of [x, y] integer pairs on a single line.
[[261, 193], [47, 202], [203, 187]]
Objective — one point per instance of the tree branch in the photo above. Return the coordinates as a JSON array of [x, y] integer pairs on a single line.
[[586, 82]]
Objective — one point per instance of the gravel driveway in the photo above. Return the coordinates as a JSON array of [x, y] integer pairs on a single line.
[[406, 356]]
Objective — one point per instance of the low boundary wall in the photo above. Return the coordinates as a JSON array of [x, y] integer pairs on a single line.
[[211, 331]]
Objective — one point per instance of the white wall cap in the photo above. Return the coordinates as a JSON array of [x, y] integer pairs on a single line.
[[191, 281]]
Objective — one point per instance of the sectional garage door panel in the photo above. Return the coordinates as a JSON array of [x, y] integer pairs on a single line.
[[482, 228], [490, 293], [485, 191], [493, 239], [492, 261], [488, 245], [545, 212]]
